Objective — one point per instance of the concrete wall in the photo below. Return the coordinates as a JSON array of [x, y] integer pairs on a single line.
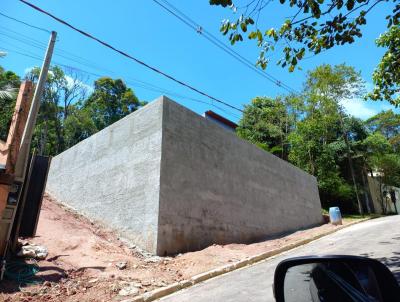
[[374, 189], [113, 176], [218, 188], [171, 181]]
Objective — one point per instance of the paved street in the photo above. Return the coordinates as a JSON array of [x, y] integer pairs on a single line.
[[378, 238]]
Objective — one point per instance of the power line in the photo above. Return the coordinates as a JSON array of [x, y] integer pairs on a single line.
[[209, 36], [133, 82], [138, 83], [129, 56], [25, 23], [214, 40], [38, 43], [82, 61]]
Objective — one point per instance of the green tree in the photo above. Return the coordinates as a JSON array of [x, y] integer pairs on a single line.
[[388, 124], [324, 138], [62, 90], [267, 123], [386, 76], [314, 26], [9, 84], [78, 126], [110, 101]]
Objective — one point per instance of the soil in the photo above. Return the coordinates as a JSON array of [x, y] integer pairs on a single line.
[[83, 259]]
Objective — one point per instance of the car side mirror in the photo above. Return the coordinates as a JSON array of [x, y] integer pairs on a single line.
[[334, 278]]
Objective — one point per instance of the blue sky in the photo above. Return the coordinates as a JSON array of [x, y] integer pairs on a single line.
[[146, 31]]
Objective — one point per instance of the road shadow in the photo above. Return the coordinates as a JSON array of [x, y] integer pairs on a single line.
[[393, 263]]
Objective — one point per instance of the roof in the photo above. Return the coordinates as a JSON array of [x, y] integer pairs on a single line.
[[220, 119]]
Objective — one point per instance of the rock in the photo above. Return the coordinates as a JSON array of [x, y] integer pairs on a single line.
[[121, 265], [33, 251], [153, 259], [129, 290], [160, 284], [26, 253]]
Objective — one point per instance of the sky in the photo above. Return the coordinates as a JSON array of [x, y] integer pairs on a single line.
[[146, 31]]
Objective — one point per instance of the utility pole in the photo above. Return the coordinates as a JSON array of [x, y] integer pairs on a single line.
[[30, 124], [10, 193]]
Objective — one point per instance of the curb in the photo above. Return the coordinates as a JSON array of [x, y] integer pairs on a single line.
[[174, 287]]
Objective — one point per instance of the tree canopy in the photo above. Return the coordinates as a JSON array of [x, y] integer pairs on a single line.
[[316, 26], [69, 111], [9, 84], [110, 101], [312, 131]]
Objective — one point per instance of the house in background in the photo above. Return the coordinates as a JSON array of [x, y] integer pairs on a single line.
[[220, 120], [385, 199]]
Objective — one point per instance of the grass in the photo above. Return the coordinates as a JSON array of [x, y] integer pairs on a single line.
[[358, 216], [355, 216]]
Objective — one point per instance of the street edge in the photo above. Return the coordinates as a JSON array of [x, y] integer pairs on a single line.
[[174, 287]]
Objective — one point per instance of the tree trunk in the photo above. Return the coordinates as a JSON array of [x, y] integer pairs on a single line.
[[350, 160]]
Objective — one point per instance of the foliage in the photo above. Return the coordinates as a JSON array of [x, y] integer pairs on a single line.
[[388, 124], [313, 132], [9, 83], [315, 26], [67, 116], [110, 101], [267, 122], [78, 126], [61, 91], [386, 76]]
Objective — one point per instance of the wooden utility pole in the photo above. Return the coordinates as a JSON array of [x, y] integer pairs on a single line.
[[15, 153], [30, 125]]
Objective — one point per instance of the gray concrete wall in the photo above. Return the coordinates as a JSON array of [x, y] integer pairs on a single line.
[[172, 181], [113, 176], [218, 188]]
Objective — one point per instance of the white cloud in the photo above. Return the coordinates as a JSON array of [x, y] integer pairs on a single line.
[[70, 82], [359, 108], [29, 69]]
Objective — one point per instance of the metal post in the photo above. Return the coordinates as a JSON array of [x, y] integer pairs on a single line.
[[27, 136]]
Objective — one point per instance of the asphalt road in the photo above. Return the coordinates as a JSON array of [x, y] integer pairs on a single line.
[[377, 238]]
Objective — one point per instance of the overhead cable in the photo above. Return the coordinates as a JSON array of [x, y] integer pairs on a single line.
[[123, 53], [173, 10]]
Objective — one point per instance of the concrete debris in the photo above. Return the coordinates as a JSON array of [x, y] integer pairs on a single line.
[[121, 265], [130, 290], [160, 284], [154, 259], [37, 252]]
